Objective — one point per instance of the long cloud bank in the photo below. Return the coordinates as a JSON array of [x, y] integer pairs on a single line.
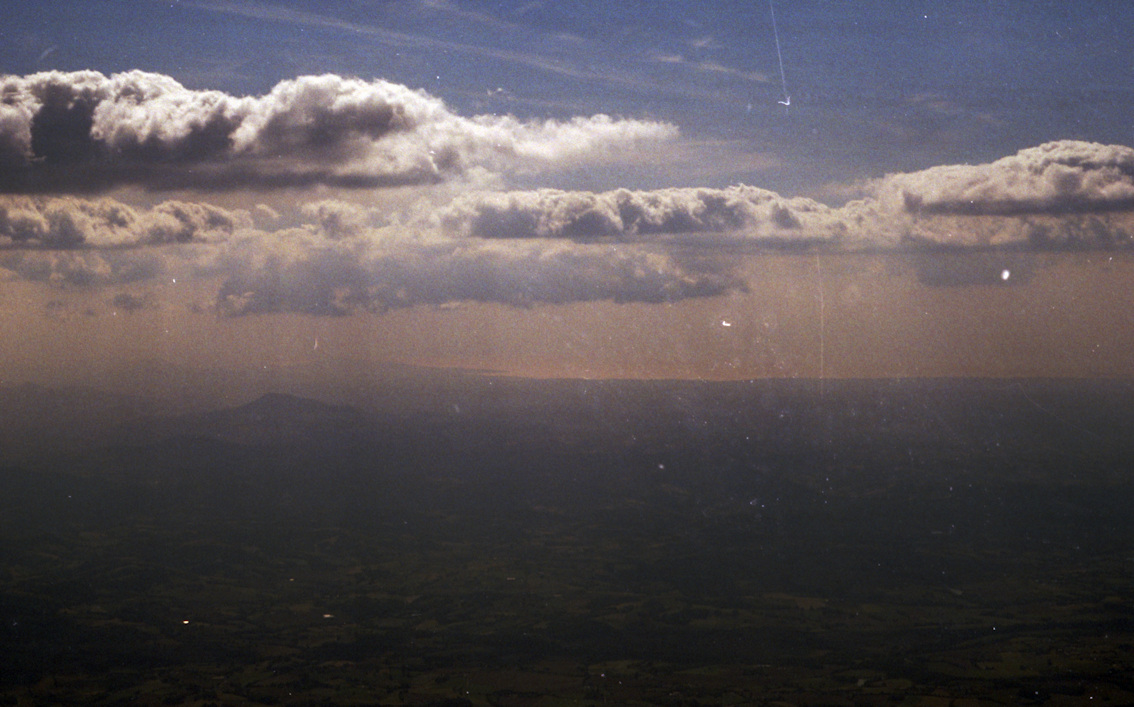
[[1057, 178], [84, 131], [739, 212], [553, 246], [342, 277], [1057, 195], [1015, 209], [336, 263], [72, 223]]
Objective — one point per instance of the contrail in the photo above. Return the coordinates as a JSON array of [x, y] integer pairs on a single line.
[[779, 54]]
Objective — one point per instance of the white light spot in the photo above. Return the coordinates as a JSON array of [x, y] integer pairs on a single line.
[[725, 322], [185, 622], [328, 616], [1005, 274]]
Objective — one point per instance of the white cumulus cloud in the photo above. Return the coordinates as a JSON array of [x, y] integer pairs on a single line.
[[86, 131]]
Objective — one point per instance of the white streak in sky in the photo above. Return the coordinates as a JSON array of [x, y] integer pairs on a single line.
[[779, 55]]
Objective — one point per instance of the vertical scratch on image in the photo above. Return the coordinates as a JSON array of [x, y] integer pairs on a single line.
[[822, 321]]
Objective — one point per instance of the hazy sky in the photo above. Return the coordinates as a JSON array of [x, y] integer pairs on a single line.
[[590, 188]]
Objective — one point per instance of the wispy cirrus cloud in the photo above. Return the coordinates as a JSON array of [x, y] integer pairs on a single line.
[[569, 57], [381, 35], [712, 67], [545, 62]]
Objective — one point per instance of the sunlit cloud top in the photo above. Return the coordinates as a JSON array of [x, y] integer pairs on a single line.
[[85, 131]]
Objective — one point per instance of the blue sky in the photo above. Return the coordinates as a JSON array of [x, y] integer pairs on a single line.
[[876, 86]]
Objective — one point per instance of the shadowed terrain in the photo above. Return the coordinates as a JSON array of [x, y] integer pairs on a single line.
[[508, 542]]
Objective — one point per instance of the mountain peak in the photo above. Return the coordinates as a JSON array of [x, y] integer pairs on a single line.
[[278, 407]]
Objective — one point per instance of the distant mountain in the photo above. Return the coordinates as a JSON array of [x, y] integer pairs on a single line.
[[276, 409]]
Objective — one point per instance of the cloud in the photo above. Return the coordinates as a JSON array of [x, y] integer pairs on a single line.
[[739, 213], [84, 268], [84, 131], [339, 219], [309, 274], [1057, 195], [75, 223], [128, 303], [712, 67], [537, 53], [1057, 178], [524, 248], [343, 258]]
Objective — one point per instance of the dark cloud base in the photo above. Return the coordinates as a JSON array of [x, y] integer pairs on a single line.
[[95, 178], [1019, 207]]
